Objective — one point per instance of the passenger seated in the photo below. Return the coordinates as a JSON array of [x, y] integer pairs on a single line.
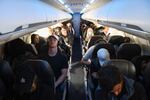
[[58, 62], [89, 34], [64, 48], [36, 41], [71, 33], [63, 45], [113, 85], [127, 40]]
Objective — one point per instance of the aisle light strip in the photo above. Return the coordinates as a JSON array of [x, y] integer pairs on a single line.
[[70, 10], [86, 6], [66, 6], [92, 1], [61, 1]]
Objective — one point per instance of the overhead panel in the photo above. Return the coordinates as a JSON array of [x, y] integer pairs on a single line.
[[76, 5], [24, 16], [131, 16]]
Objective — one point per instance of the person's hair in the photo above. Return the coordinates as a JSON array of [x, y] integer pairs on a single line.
[[100, 28], [109, 76], [127, 39], [33, 37], [59, 28], [99, 31]]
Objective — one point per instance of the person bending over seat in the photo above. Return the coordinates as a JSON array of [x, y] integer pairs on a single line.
[[102, 59], [113, 85]]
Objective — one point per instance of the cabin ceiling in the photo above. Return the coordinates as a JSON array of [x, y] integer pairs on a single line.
[[76, 6]]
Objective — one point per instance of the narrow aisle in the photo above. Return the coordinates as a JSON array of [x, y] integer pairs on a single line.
[[77, 88], [76, 50]]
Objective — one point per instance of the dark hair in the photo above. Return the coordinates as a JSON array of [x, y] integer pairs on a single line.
[[109, 76], [99, 31], [100, 28], [127, 39], [33, 37]]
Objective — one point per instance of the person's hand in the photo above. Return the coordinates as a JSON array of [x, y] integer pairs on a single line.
[[56, 85], [88, 62]]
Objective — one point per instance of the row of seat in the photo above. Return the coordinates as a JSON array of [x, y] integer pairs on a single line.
[[123, 54], [129, 70], [125, 51], [34, 80]]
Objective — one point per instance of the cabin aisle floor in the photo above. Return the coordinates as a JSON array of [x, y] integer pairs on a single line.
[[77, 88]]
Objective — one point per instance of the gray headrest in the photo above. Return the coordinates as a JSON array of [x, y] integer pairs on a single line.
[[126, 67]]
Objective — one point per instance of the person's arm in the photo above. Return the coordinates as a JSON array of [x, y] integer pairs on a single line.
[[87, 62], [87, 56], [62, 77]]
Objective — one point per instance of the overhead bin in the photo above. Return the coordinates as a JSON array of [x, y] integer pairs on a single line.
[[127, 15], [19, 17]]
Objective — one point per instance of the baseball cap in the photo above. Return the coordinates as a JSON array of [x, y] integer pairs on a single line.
[[103, 55], [55, 36]]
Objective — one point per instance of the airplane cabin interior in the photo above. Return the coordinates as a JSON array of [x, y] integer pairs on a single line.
[[82, 28]]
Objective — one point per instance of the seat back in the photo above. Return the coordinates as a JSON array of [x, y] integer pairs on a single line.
[[39, 71], [6, 74], [146, 77], [7, 77], [96, 39], [139, 63], [107, 46], [116, 40], [2, 90], [126, 67], [128, 51]]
